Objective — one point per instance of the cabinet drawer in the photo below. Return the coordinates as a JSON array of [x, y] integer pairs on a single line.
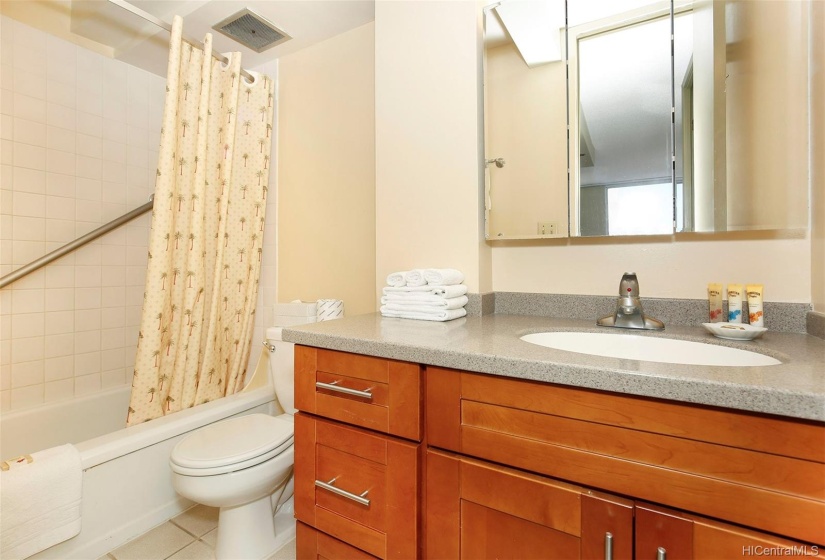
[[357, 486], [755, 470], [312, 544], [375, 393]]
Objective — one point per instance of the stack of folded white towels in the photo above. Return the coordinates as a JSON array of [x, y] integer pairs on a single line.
[[432, 294]]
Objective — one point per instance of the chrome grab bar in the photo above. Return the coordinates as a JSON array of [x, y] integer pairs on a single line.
[[76, 244], [365, 394], [349, 495]]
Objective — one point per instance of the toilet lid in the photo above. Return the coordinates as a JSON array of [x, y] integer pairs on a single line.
[[233, 441]]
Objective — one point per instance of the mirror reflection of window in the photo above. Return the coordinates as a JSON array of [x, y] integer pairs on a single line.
[[642, 209], [625, 101]]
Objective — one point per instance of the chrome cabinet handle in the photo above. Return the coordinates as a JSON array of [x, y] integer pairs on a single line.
[[346, 390], [335, 490], [608, 546], [661, 554]]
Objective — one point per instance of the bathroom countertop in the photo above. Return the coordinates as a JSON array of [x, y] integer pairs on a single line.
[[491, 344]]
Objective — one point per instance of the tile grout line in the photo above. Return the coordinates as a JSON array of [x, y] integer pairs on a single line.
[[194, 539], [194, 536]]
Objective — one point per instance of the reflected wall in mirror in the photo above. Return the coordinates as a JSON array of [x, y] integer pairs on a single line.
[[738, 81], [766, 114], [525, 120]]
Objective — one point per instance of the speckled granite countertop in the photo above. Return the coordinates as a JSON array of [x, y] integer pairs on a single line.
[[491, 344]]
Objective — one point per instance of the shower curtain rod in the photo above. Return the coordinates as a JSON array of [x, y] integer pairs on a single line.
[[160, 23], [76, 244]]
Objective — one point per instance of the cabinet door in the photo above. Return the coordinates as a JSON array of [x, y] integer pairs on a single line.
[[607, 527], [311, 544], [357, 486], [712, 539], [478, 510], [662, 534]]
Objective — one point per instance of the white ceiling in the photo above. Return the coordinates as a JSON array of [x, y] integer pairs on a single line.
[[145, 45]]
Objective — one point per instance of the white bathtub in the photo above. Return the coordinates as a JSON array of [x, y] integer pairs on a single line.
[[127, 483]]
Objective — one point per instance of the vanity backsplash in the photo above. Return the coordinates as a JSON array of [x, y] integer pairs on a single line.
[[779, 316]]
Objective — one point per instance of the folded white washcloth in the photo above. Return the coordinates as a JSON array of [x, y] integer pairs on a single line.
[[415, 278], [423, 303], [439, 315], [443, 291], [443, 276], [40, 501], [396, 279]]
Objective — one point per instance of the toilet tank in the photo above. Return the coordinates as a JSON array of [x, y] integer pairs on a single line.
[[282, 368]]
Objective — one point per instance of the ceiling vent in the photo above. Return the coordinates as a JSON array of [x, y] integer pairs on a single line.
[[251, 30]]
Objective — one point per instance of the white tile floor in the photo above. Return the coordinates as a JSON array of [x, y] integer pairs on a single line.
[[189, 536]]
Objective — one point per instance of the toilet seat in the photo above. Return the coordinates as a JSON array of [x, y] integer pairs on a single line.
[[233, 444]]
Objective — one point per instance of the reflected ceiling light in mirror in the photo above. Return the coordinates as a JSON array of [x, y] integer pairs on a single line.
[[534, 27]]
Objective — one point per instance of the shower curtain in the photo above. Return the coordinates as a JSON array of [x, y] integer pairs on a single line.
[[207, 230]]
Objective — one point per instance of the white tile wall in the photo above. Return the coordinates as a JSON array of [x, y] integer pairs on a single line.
[[79, 136], [267, 293]]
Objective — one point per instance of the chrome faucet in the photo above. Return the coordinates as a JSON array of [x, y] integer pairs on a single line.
[[629, 314]]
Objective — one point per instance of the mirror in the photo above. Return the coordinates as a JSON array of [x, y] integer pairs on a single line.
[[738, 164]]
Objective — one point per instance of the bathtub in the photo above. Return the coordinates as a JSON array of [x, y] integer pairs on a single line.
[[127, 483]]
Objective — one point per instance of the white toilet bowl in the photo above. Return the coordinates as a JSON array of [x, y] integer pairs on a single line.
[[236, 465], [243, 465]]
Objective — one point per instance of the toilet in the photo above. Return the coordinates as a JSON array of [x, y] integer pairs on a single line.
[[243, 465]]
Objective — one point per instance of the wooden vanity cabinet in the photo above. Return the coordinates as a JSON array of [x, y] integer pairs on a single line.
[[468, 465], [358, 455], [729, 469]]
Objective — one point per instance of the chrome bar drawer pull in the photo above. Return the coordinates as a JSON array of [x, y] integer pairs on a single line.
[[608, 546], [661, 554], [335, 490], [346, 390]]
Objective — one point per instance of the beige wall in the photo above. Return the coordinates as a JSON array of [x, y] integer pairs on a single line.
[[767, 114], [53, 17], [680, 269], [427, 121], [526, 125], [326, 172], [818, 156]]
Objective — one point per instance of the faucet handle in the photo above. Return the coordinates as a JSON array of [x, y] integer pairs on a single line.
[[629, 286]]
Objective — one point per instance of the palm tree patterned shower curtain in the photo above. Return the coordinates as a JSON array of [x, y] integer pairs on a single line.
[[207, 230]]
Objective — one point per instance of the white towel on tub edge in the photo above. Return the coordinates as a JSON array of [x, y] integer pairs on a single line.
[[40, 501]]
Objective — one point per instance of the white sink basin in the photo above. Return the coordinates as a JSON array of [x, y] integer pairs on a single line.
[[649, 349]]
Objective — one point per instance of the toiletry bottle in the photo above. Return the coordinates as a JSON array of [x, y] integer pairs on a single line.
[[715, 302], [755, 305], [735, 292]]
